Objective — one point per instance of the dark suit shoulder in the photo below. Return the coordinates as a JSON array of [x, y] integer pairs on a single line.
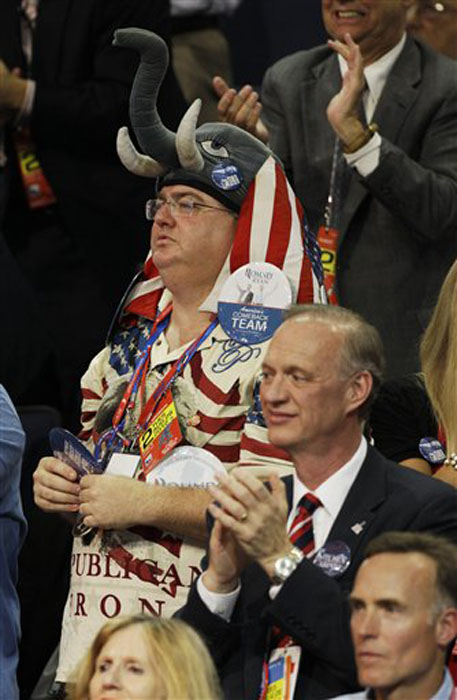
[[435, 59], [427, 501], [299, 64], [437, 72]]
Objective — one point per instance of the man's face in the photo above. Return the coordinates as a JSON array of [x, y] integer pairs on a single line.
[[436, 23], [392, 624], [304, 398], [376, 25], [196, 246]]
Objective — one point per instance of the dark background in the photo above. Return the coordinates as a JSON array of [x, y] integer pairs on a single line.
[[262, 31]]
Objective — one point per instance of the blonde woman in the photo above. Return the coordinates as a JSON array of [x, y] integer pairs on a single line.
[[146, 659], [413, 411]]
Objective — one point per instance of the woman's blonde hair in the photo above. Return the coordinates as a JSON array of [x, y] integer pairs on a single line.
[[438, 352], [177, 651]]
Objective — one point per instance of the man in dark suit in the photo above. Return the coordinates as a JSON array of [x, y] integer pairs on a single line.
[[321, 371], [395, 192], [64, 92]]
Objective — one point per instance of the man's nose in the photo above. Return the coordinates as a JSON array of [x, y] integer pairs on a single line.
[[273, 389], [367, 624], [164, 214]]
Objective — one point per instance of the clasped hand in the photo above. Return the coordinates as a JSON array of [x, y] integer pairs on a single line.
[[344, 108], [251, 524], [103, 500], [12, 91]]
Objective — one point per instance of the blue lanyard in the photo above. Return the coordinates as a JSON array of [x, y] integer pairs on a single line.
[[113, 439]]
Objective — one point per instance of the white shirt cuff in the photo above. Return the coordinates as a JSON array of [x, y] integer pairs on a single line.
[[221, 604], [366, 159]]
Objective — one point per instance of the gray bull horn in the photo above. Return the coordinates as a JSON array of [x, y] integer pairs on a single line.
[[186, 144], [137, 163]]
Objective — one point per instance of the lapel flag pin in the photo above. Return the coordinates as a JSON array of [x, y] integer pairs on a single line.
[[358, 527]]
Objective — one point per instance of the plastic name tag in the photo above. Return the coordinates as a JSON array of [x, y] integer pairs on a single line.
[[36, 185], [282, 673], [121, 464], [161, 435]]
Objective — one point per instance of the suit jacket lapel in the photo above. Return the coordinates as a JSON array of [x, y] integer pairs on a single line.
[[318, 88], [49, 37], [321, 83], [367, 493], [397, 98], [399, 93]]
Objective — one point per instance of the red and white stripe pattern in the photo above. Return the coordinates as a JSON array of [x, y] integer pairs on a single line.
[[301, 530], [270, 229]]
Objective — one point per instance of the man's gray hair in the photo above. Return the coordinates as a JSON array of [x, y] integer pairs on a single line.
[[362, 348]]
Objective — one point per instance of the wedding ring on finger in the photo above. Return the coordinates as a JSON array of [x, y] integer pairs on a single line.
[[243, 517]]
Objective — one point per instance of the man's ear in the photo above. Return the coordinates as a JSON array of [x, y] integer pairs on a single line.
[[359, 390], [446, 627]]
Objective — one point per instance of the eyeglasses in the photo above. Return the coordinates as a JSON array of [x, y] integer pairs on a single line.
[[178, 207]]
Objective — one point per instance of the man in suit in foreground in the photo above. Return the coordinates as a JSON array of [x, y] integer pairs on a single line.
[[321, 372], [395, 191], [404, 617]]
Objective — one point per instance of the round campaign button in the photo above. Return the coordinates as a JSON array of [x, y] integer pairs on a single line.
[[187, 466], [333, 558], [227, 177], [432, 450], [252, 302]]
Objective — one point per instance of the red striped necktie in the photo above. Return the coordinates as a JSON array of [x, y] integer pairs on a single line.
[[301, 535], [301, 531]]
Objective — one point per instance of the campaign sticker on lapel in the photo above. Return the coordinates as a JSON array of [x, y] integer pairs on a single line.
[[252, 301], [227, 177], [161, 435], [432, 450], [66, 447], [333, 558]]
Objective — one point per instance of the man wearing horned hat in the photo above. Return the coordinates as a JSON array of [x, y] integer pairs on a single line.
[[170, 373]]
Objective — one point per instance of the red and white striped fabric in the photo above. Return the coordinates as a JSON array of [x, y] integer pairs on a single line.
[[270, 229]]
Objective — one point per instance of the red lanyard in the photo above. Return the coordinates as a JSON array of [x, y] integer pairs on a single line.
[[139, 374], [177, 367]]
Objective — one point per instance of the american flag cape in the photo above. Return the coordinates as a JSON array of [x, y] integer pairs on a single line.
[[270, 229]]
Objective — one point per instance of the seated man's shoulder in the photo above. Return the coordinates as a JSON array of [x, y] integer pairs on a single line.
[[299, 63], [412, 481], [441, 69]]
